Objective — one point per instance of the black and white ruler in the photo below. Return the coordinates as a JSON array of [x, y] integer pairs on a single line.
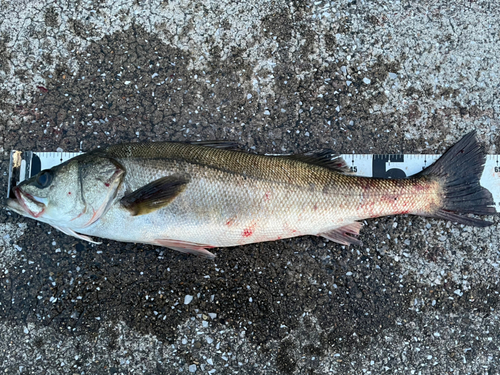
[[24, 164]]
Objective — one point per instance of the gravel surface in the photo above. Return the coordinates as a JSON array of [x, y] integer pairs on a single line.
[[421, 296]]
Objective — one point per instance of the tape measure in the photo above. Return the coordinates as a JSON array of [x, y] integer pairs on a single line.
[[24, 164]]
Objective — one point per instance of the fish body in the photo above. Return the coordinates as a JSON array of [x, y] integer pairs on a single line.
[[191, 197]]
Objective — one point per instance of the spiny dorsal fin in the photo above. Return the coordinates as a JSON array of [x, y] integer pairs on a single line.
[[324, 158], [154, 195], [225, 145]]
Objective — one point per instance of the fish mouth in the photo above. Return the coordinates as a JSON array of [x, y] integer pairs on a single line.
[[26, 204]]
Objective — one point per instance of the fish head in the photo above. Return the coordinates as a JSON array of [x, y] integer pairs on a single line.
[[74, 194]]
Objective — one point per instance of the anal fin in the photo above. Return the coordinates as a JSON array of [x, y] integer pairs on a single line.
[[344, 235], [186, 247]]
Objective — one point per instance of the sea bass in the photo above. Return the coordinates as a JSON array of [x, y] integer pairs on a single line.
[[192, 197]]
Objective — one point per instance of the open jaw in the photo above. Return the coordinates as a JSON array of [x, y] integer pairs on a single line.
[[26, 204]]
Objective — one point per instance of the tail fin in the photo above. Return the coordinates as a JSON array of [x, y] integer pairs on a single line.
[[460, 169]]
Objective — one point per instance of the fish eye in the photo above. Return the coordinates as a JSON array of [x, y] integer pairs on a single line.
[[44, 179]]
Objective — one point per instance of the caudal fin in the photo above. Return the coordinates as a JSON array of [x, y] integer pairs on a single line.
[[459, 170]]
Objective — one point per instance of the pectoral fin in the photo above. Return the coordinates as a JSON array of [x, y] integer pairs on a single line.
[[155, 195], [344, 235]]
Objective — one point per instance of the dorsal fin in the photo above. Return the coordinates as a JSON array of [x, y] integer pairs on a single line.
[[324, 158], [225, 145]]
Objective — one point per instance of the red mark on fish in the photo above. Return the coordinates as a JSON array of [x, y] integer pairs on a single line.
[[247, 232]]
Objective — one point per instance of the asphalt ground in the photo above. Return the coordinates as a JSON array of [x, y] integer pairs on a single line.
[[419, 297]]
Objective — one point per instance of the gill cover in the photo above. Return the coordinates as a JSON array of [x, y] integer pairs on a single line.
[[99, 178]]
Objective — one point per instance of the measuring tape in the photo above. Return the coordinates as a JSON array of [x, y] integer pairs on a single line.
[[24, 164]]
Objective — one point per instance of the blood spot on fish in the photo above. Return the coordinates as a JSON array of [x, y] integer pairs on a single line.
[[315, 207], [267, 196], [250, 230], [230, 222], [423, 187], [107, 184], [247, 232], [69, 192]]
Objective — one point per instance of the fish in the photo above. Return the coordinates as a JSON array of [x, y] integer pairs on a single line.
[[193, 197]]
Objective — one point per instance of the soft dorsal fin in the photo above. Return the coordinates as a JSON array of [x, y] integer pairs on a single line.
[[324, 158], [154, 195]]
